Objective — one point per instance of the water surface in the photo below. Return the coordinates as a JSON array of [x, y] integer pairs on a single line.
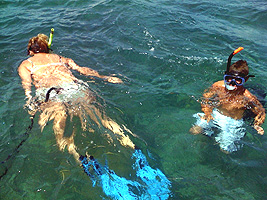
[[167, 53]]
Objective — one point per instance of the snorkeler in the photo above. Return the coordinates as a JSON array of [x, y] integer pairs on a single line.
[[224, 105], [59, 93]]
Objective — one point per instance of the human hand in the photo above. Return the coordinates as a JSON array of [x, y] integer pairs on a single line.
[[259, 129], [31, 106], [196, 130], [28, 101], [112, 79]]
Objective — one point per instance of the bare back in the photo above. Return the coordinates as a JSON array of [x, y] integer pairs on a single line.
[[49, 70]]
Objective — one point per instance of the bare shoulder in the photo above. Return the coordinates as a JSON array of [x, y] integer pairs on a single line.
[[24, 64], [218, 84], [63, 59], [249, 95], [214, 89], [55, 57]]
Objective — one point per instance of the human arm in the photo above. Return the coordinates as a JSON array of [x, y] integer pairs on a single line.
[[209, 101], [90, 72], [26, 79], [258, 110], [206, 107]]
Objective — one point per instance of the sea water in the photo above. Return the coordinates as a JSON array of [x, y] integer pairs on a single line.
[[167, 53]]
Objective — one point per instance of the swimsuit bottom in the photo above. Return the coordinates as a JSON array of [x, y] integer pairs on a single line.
[[66, 92], [230, 130]]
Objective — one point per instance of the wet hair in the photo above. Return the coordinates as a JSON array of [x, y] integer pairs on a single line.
[[239, 68], [38, 44]]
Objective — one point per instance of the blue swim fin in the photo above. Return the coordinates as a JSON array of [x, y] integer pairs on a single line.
[[151, 183]]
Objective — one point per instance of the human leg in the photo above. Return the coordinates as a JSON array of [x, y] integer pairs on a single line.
[[59, 127]]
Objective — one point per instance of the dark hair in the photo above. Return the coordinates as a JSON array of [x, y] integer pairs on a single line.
[[38, 44], [239, 68]]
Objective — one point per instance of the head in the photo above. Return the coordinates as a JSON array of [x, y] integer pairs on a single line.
[[239, 68], [38, 44], [236, 75]]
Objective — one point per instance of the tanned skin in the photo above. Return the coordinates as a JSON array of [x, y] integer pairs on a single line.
[[231, 103], [46, 70], [53, 75]]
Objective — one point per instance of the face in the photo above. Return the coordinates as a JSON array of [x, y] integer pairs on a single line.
[[233, 82]]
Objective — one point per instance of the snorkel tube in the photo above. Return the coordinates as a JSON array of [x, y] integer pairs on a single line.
[[227, 85], [231, 56], [51, 38]]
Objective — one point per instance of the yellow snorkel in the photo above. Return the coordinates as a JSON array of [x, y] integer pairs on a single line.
[[51, 38]]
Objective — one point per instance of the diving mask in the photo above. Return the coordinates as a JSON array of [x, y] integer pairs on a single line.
[[233, 80]]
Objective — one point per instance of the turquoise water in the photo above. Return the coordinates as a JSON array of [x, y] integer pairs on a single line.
[[167, 53]]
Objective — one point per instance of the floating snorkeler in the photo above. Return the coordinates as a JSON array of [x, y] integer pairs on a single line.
[[59, 94], [71, 96], [224, 106]]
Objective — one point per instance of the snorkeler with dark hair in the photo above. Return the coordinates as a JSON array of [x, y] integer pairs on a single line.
[[224, 105]]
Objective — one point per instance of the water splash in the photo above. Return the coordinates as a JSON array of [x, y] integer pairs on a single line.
[[230, 130]]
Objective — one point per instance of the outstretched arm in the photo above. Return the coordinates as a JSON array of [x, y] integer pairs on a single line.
[[25, 76], [90, 72]]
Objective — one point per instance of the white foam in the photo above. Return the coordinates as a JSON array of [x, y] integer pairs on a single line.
[[230, 130]]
